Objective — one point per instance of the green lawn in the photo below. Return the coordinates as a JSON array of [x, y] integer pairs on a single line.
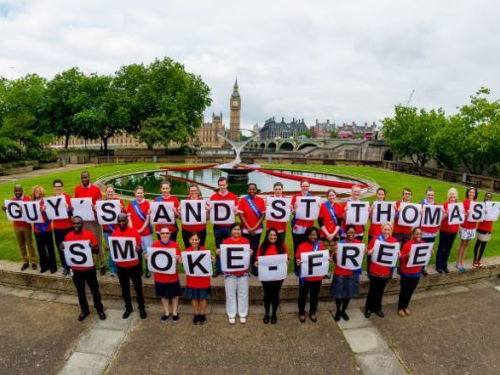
[[394, 182]]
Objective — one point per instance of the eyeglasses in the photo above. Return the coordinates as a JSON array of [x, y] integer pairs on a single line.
[[164, 233]]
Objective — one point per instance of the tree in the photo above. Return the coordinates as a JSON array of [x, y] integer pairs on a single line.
[[61, 104], [306, 134], [409, 132]]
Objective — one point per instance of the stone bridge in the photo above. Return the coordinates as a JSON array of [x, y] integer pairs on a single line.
[[291, 144]]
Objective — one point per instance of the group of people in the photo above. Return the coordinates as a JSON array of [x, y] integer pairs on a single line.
[[134, 221]]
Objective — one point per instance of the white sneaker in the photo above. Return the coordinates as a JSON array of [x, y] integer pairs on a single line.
[[243, 320], [232, 321]]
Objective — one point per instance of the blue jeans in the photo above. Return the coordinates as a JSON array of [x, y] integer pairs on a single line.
[[221, 232], [111, 262]]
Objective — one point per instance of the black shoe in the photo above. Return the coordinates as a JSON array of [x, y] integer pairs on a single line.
[[144, 315], [43, 270], [313, 318], [202, 318], [439, 270], [196, 319], [33, 266], [424, 272], [344, 316], [24, 266], [103, 270], [446, 270], [274, 319], [337, 316], [53, 270], [101, 314], [326, 277], [266, 319], [126, 314], [83, 315], [380, 313], [65, 272], [147, 274], [367, 313], [175, 318]]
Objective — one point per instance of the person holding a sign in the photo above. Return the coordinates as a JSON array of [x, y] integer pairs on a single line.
[[280, 226], [345, 283], [467, 230], [107, 229], [272, 245], [194, 193], [88, 190], [43, 234], [167, 286], [447, 234], [251, 209], [355, 197], [309, 285], [128, 268], [330, 213], [236, 282], [410, 273], [221, 231], [198, 288], [374, 229], [62, 226], [429, 234], [82, 265], [138, 212], [381, 268], [484, 229], [299, 226], [22, 230], [401, 232], [166, 188]]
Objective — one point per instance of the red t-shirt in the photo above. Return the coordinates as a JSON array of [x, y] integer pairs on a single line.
[[485, 226], [444, 224], [400, 228], [248, 213], [21, 224], [324, 214], [196, 228], [44, 227], [359, 228], [429, 230], [89, 191], [229, 196], [137, 222], [307, 247], [239, 241], [84, 235], [129, 232], [377, 269], [302, 223], [467, 224], [112, 227], [197, 282], [280, 226], [405, 255], [271, 250], [340, 271], [64, 223], [164, 277], [171, 227]]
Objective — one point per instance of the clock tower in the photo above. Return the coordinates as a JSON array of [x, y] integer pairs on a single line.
[[235, 110]]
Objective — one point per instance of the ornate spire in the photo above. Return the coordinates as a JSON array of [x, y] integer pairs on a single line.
[[236, 92]]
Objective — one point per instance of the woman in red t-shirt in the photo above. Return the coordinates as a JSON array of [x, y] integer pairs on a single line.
[[272, 245], [194, 193], [167, 286], [379, 275], [467, 229], [484, 229], [198, 288], [107, 229], [309, 285], [166, 197], [280, 226], [345, 283], [330, 213], [447, 235], [409, 275]]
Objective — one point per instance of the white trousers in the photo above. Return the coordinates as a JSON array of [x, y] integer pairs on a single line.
[[236, 295]]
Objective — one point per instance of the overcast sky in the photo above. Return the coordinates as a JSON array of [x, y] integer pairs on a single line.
[[341, 60]]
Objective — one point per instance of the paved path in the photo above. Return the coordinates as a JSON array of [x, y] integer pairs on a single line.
[[42, 172]]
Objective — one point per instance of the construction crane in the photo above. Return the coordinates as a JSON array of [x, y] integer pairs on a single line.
[[410, 97]]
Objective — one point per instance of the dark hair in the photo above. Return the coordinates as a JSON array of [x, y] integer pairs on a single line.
[[414, 229], [253, 184], [234, 225], [309, 230], [349, 226], [194, 234], [469, 189], [277, 184], [486, 193], [304, 180], [428, 188], [78, 217], [57, 182], [381, 189], [407, 189], [222, 178], [265, 244]]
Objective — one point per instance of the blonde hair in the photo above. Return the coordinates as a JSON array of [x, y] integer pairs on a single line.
[[109, 187], [453, 191], [42, 191], [387, 224]]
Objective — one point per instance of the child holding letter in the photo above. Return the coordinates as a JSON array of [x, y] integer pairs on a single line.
[[484, 229], [345, 283], [198, 288], [309, 285]]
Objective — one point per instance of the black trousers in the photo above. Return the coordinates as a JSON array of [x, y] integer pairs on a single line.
[[272, 295], [297, 240], [186, 234], [375, 293], [89, 277], [45, 246], [312, 288], [125, 275], [444, 247], [59, 235], [408, 285], [254, 240]]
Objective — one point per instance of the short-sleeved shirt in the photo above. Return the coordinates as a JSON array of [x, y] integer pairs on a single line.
[[405, 256], [271, 250], [137, 222], [307, 247], [326, 217], [171, 227], [111, 227], [129, 232], [89, 191], [377, 269], [341, 271], [196, 228], [249, 214], [445, 227], [229, 196], [358, 228], [163, 277], [197, 282], [468, 224], [21, 224], [485, 226], [280, 226], [84, 235], [400, 228], [300, 222], [64, 223], [239, 241]]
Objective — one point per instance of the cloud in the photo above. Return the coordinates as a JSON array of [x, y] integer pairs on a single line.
[[342, 60]]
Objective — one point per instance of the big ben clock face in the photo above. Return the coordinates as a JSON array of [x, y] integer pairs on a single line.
[[235, 103]]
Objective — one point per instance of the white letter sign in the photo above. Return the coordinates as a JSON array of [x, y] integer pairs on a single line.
[[476, 212], [83, 207], [420, 254], [357, 213], [273, 267], [162, 260], [193, 212], [55, 207], [385, 253], [107, 211], [162, 213], [234, 258], [222, 212], [314, 263], [350, 255], [432, 215], [32, 212], [456, 213], [307, 208], [383, 212], [197, 263], [78, 253], [122, 249], [278, 209], [409, 214], [14, 210], [492, 211]]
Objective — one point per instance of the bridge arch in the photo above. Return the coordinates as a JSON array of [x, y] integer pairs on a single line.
[[286, 146]]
